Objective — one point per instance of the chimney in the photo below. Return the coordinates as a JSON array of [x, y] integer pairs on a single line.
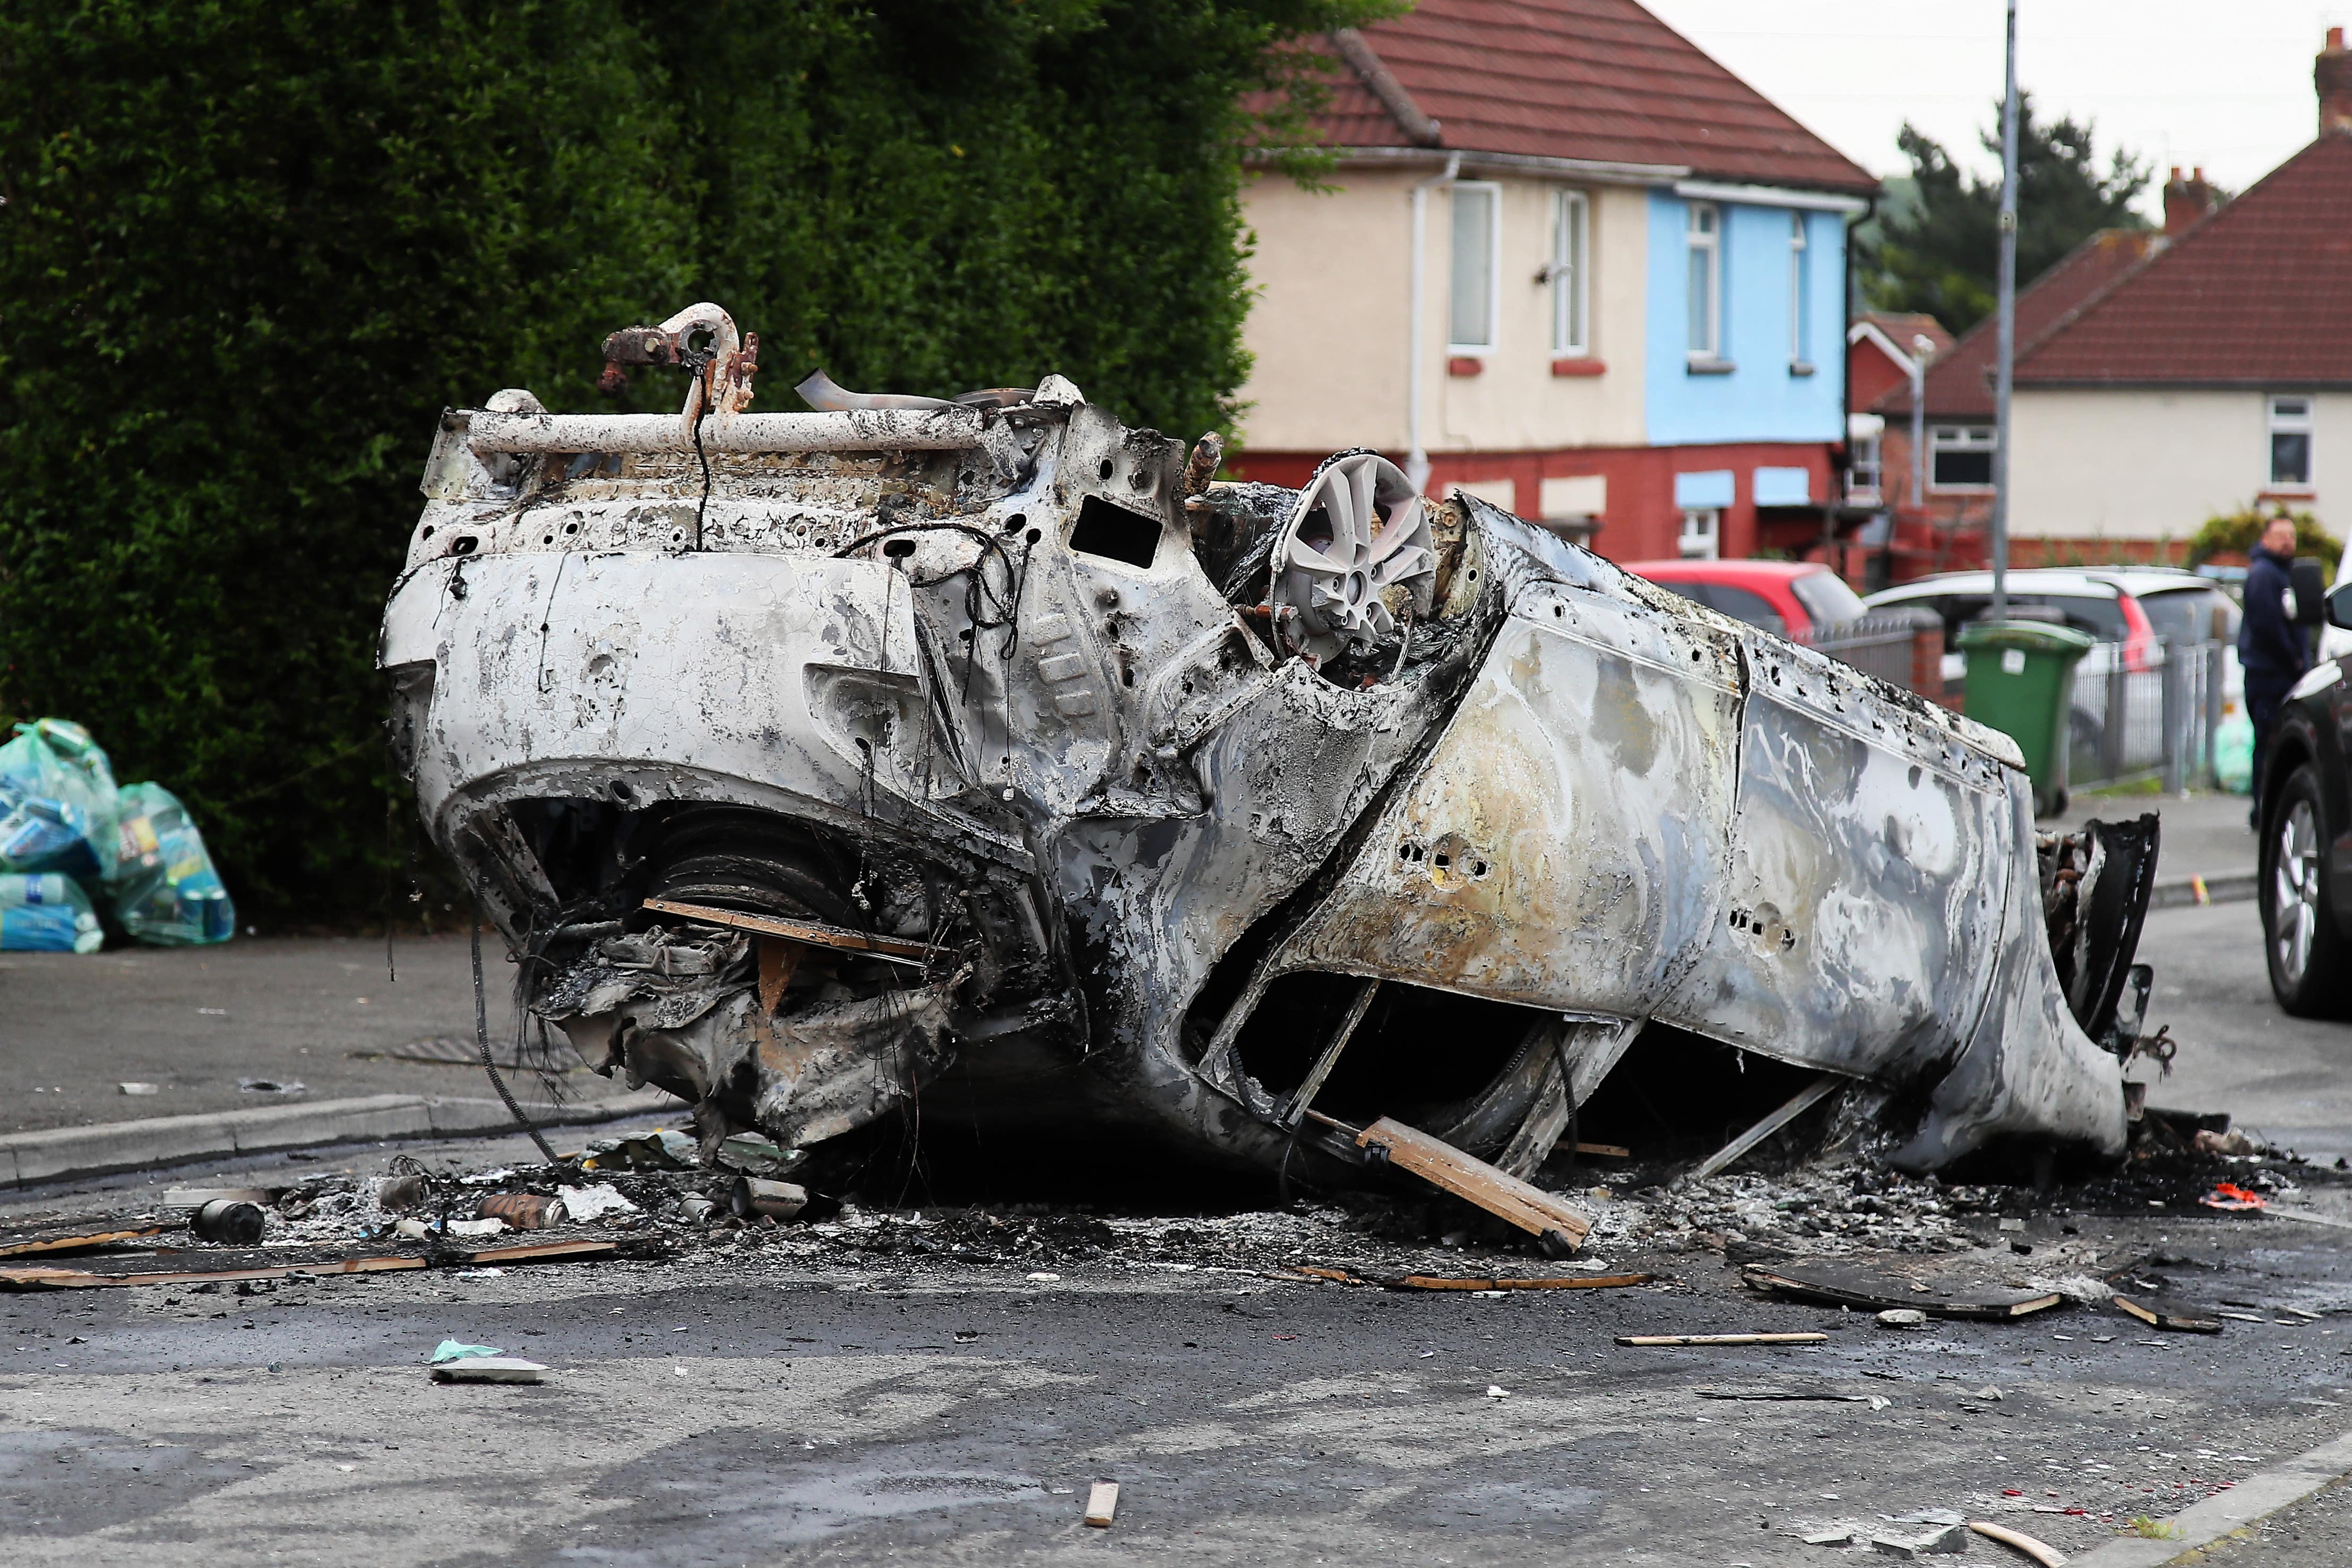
[[2186, 201], [2331, 74]]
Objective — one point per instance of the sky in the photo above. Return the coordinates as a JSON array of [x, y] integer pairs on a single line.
[[2224, 83]]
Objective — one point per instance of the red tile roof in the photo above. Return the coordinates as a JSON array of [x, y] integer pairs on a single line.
[[1959, 380], [1597, 79], [2257, 294], [1902, 326]]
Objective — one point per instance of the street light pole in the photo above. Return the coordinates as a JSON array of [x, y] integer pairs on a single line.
[[2004, 362], [1921, 347]]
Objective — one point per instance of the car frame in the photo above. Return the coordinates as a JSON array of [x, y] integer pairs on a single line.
[[987, 759], [2303, 791]]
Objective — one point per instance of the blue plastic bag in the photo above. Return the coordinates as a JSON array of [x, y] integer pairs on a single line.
[[47, 912], [164, 889], [56, 801]]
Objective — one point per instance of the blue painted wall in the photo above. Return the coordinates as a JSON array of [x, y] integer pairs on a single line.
[[1758, 400]]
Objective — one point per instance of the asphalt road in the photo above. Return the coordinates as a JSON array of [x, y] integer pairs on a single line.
[[745, 1406], [2290, 1079], [742, 1406]]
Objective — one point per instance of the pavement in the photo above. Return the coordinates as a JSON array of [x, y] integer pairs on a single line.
[[198, 1021], [2205, 838], [204, 1027]]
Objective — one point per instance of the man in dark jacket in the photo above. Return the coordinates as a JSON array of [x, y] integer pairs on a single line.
[[2271, 648]]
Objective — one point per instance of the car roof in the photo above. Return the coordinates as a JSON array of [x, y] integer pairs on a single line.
[[2142, 581], [2034, 580], [1704, 571]]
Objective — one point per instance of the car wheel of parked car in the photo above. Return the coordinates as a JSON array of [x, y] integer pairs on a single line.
[[2306, 951]]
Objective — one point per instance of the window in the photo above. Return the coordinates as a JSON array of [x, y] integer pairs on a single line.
[[1571, 252], [2291, 441], [1863, 470], [1706, 243], [1827, 598], [1959, 456], [1478, 215], [1801, 280], [1702, 526]]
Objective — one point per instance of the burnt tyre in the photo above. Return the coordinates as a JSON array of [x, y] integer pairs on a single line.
[[2300, 937]]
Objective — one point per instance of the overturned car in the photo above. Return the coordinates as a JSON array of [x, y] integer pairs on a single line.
[[993, 759]]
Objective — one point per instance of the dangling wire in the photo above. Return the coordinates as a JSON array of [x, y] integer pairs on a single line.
[[482, 1040]]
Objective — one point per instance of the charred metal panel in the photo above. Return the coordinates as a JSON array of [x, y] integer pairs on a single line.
[[1869, 858], [1564, 847]]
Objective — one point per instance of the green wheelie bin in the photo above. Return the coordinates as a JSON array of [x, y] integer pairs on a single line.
[[2021, 682]]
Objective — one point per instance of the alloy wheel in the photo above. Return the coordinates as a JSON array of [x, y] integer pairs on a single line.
[[2294, 900]]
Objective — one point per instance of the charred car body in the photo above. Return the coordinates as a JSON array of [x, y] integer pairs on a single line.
[[804, 759]]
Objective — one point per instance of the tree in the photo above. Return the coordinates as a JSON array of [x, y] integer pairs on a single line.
[[1939, 251], [249, 249]]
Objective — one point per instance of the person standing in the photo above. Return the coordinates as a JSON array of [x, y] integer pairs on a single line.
[[2271, 648]]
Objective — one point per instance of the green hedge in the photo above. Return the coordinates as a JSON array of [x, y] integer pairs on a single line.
[[250, 250]]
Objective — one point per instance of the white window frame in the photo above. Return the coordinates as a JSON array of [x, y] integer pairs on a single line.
[[1865, 470], [1701, 538], [2283, 423], [1700, 240], [1957, 438], [1494, 195], [1570, 275], [1800, 287]]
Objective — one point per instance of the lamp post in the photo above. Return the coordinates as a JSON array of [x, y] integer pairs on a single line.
[[2004, 362], [1922, 345]]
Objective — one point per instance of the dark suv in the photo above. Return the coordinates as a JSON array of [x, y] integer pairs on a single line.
[[2305, 881]]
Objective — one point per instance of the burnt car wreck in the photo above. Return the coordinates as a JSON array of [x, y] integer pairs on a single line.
[[991, 757]]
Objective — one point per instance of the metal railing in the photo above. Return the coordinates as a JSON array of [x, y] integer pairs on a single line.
[[1886, 645], [2148, 711]]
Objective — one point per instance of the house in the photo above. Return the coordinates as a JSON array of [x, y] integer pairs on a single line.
[[1883, 350], [2163, 379], [2216, 375], [1570, 264], [1943, 527]]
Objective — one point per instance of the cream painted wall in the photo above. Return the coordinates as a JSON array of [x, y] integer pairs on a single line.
[[1325, 331], [1516, 403], [2152, 464], [1327, 328]]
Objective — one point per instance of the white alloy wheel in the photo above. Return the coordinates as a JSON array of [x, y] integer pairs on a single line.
[[1358, 530], [2294, 891]]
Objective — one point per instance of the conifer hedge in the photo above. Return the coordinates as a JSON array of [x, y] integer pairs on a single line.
[[251, 248]]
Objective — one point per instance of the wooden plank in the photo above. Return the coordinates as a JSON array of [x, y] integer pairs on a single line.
[[2042, 1551], [2158, 1318], [1721, 1339], [26, 1247], [85, 1280], [1445, 1282], [808, 932], [1313, 1083], [543, 1252], [1805, 1100], [1606, 1150], [1499, 1193], [1102, 1503], [1554, 1282]]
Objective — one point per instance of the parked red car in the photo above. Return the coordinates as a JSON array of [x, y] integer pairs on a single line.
[[1794, 598]]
